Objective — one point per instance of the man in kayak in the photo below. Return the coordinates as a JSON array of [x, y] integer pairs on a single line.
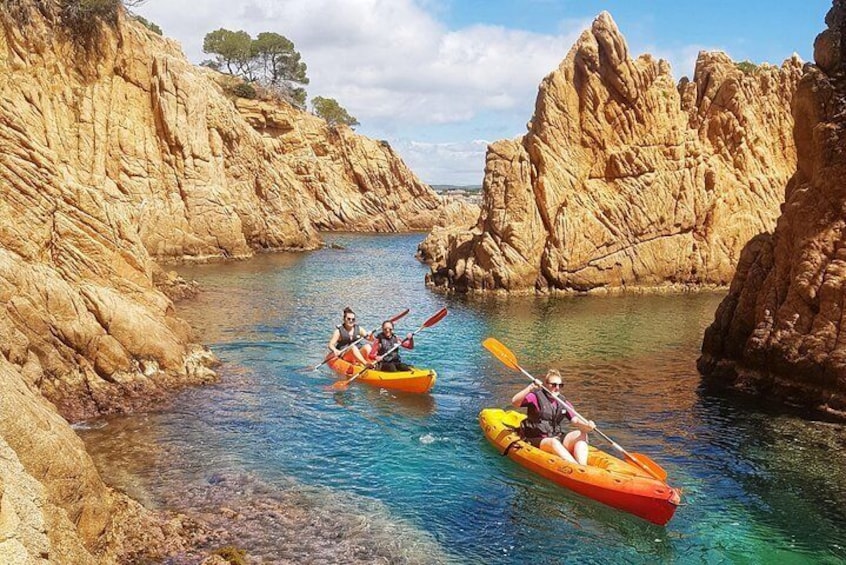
[[347, 333], [385, 341], [546, 418]]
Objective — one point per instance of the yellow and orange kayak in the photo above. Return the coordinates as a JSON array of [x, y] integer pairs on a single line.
[[416, 380], [605, 479]]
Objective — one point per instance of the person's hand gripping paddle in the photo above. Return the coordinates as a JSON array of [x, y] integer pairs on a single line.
[[332, 356], [510, 360], [344, 385]]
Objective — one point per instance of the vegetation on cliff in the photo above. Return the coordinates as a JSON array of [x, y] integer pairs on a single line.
[[269, 60]]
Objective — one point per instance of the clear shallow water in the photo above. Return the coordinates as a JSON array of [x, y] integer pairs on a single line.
[[301, 474]]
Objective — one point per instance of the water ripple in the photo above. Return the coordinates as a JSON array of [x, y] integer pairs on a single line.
[[374, 476]]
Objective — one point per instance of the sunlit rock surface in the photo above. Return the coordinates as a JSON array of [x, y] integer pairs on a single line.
[[351, 182], [778, 334], [117, 155], [626, 179]]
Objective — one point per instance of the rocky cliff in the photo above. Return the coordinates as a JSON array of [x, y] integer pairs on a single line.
[[626, 179], [779, 331], [352, 183], [54, 507], [116, 154]]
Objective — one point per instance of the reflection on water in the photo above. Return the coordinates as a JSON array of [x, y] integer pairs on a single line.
[[370, 475]]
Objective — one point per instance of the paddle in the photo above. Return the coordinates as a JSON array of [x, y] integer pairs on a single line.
[[510, 360], [439, 315], [348, 347]]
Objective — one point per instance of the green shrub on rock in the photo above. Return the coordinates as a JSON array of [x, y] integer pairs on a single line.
[[748, 67], [244, 90]]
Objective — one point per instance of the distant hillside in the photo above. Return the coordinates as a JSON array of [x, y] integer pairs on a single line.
[[441, 188]]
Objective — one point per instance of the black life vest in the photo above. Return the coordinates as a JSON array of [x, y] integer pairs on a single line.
[[548, 419], [347, 337], [385, 344]]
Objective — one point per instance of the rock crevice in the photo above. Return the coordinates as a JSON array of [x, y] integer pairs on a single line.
[[778, 333], [616, 153]]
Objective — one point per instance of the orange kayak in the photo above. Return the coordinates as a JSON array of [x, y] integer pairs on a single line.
[[416, 380], [605, 479]]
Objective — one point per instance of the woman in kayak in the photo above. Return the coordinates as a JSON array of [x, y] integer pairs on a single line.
[[544, 426], [347, 333], [386, 340]]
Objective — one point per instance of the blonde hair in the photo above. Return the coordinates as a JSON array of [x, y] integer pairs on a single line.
[[553, 373]]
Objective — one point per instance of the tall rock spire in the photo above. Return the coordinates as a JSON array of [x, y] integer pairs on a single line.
[[627, 179]]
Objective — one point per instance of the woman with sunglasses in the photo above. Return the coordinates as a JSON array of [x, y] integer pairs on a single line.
[[385, 341], [346, 333], [546, 419]]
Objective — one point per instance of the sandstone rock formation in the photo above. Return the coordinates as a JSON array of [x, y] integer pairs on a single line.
[[625, 179], [54, 508], [116, 155], [458, 216], [779, 331], [353, 183]]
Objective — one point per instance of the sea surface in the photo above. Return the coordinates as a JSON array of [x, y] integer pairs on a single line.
[[298, 474]]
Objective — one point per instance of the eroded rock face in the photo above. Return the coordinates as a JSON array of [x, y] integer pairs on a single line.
[[352, 183], [116, 155], [778, 332], [54, 508], [457, 217], [116, 152], [626, 179]]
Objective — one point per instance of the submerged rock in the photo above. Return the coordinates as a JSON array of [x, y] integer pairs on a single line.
[[778, 333], [626, 179]]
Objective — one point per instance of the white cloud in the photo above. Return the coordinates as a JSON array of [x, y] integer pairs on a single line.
[[386, 58], [400, 71], [446, 163]]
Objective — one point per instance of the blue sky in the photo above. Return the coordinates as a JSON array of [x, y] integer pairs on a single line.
[[440, 79]]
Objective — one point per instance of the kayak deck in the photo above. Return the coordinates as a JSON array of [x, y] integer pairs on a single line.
[[416, 381], [605, 478]]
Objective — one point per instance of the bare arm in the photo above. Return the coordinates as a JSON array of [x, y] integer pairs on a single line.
[[581, 424], [517, 400], [333, 342]]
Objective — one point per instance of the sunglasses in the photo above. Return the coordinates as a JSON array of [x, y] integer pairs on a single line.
[[351, 319], [553, 384]]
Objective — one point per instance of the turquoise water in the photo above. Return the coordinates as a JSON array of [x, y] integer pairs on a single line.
[[299, 473]]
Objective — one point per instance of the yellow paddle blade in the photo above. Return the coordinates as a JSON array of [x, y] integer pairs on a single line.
[[501, 352], [649, 465], [340, 385]]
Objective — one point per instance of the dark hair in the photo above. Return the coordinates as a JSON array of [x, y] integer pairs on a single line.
[[387, 322], [347, 312]]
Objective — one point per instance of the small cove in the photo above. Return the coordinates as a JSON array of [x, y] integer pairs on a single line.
[[305, 475]]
